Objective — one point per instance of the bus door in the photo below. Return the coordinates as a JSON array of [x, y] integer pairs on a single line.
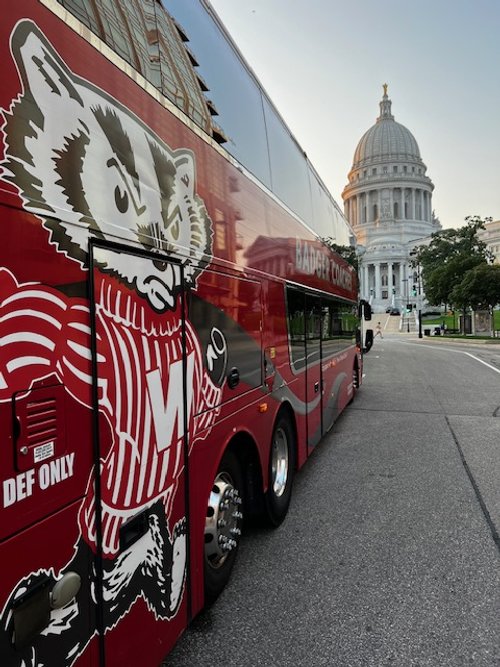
[[145, 364], [314, 388]]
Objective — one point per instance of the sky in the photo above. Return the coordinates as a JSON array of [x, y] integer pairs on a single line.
[[323, 64]]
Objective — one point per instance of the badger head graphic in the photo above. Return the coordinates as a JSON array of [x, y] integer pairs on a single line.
[[84, 164]]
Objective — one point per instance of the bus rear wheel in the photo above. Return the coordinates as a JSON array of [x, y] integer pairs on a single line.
[[355, 382], [281, 469], [223, 524]]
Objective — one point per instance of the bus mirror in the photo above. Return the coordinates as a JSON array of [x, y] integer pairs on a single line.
[[368, 340], [364, 310]]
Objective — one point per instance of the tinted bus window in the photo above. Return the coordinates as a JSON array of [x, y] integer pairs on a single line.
[[289, 174], [313, 328], [296, 305], [338, 326], [343, 232], [232, 90], [323, 213]]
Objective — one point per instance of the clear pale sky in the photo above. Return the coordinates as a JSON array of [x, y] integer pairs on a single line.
[[323, 63]]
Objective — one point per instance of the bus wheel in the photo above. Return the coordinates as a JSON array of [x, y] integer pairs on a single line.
[[355, 381], [281, 469], [223, 526]]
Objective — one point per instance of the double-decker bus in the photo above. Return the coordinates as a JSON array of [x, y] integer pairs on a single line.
[[175, 339]]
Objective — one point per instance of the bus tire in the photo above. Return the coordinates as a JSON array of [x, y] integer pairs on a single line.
[[223, 526], [281, 470], [355, 382]]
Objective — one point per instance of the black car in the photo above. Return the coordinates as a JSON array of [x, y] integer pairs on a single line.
[[394, 311]]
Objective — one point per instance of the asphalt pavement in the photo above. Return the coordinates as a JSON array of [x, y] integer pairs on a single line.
[[390, 554]]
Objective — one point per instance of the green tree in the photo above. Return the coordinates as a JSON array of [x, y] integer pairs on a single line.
[[347, 252], [479, 288], [448, 257]]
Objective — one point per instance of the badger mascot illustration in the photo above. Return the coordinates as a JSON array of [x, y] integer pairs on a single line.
[[85, 166]]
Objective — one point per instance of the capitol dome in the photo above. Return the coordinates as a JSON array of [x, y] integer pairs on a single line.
[[386, 140]]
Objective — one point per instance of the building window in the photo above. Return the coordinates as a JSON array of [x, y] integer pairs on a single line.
[[385, 294], [405, 169], [374, 171], [395, 170], [375, 211], [396, 209]]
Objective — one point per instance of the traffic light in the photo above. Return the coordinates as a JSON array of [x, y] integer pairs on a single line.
[[414, 290], [394, 290]]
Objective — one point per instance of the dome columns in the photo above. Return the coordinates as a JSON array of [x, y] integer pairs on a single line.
[[394, 203], [385, 281]]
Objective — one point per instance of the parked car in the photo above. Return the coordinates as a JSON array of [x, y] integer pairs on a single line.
[[388, 309], [394, 311]]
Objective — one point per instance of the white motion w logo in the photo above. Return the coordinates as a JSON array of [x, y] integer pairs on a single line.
[[168, 411]]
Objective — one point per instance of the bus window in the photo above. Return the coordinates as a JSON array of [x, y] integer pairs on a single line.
[[295, 301]]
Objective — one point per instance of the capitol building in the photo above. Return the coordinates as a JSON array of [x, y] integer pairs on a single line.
[[388, 201]]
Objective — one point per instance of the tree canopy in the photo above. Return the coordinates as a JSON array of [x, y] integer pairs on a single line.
[[347, 252], [479, 288], [449, 256]]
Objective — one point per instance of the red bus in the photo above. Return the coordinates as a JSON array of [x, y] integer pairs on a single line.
[[175, 338]]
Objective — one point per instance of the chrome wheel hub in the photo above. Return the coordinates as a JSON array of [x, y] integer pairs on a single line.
[[222, 525], [279, 462]]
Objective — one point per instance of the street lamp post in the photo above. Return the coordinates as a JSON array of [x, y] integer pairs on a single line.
[[419, 302], [414, 253], [405, 305]]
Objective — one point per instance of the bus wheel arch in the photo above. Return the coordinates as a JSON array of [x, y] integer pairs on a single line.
[[281, 466], [236, 495]]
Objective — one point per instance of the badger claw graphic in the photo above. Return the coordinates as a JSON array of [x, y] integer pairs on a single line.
[[178, 564]]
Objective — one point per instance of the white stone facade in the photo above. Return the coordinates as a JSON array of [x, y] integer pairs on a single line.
[[491, 236], [388, 201]]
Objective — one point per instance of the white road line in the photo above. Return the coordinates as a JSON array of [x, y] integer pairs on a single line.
[[450, 349], [497, 370]]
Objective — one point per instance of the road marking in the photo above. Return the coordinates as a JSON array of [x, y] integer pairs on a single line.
[[451, 349], [497, 370]]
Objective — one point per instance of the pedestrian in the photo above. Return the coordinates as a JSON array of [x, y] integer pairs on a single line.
[[378, 330]]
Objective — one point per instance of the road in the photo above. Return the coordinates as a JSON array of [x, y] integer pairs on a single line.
[[390, 553]]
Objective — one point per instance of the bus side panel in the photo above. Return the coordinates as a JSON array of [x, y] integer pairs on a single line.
[[44, 551], [46, 449], [287, 384], [226, 312], [338, 385]]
